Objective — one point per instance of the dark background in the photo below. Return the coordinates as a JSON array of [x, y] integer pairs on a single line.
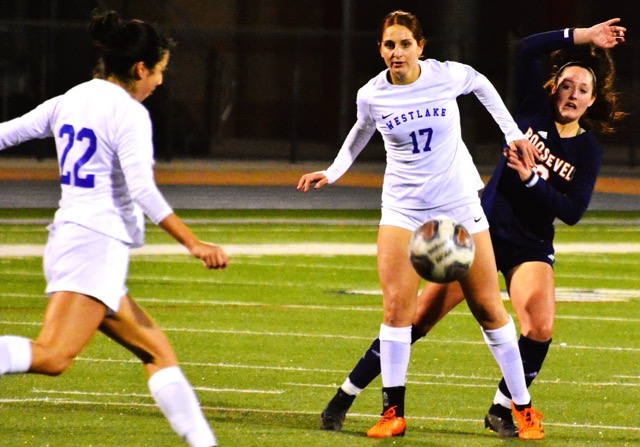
[[277, 79]]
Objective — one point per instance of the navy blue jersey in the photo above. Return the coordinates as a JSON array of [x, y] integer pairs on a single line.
[[568, 169]]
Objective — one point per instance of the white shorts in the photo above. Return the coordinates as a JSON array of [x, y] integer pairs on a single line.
[[80, 260], [467, 212]]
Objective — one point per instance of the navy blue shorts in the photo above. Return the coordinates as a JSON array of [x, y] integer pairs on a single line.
[[510, 255]]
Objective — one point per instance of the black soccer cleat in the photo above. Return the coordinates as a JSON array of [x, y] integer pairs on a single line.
[[332, 420], [500, 421], [333, 415]]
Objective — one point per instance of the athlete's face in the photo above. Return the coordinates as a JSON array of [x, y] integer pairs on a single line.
[[573, 93], [401, 53], [149, 79]]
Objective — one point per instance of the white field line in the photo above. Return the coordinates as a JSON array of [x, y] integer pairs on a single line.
[[326, 249], [65, 401], [41, 221], [235, 332], [606, 295], [563, 294], [440, 378], [202, 388], [54, 401], [26, 250]]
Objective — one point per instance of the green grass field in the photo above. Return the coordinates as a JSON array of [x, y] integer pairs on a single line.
[[267, 341]]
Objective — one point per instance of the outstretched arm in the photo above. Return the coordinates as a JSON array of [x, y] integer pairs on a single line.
[[356, 140], [31, 125], [604, 35]]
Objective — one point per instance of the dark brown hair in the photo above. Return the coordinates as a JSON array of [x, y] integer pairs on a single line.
[[123, 43], [605, 112], [405, 19]]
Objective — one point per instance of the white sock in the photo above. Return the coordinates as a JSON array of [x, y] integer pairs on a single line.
[[503, 344], [350, 388], [501, 399], [179, 404], [15, 354], [395, 349]]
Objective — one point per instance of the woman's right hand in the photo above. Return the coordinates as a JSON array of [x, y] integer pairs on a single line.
[[212, 256], [318, 179]]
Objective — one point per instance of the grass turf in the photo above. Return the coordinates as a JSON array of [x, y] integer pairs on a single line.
[[266, 343]]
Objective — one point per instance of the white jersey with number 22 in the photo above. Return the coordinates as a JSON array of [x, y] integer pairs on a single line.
[[105, 154]]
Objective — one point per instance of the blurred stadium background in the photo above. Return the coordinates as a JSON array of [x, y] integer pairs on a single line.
[[276, 80]]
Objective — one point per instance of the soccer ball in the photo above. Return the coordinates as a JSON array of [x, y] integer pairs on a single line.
[[441, 250]]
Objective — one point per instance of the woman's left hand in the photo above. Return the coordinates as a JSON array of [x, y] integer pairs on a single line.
[[525, 150], [516, 162], [604, 35]]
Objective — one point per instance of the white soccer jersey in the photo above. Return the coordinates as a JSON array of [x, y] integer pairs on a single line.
[[105, 152], [428, 164]]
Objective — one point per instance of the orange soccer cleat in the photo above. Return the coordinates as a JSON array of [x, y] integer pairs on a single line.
[[388, 426], [529, 423]]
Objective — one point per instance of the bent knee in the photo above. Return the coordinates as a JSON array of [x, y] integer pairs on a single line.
[[49, 361], [159, 358], [398, 310], [52, 365], [539, 333]]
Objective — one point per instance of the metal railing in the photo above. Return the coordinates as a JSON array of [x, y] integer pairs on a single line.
[[256, 93]]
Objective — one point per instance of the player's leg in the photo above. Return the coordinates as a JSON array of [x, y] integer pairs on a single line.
[[400, 284], [70, 321], [481, 290], [134, 329], [434, 302], [532, 291], [74, 261]]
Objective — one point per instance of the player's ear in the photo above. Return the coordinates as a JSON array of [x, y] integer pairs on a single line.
[[138, 70]]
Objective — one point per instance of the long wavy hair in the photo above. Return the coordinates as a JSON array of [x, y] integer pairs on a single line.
[[603, 116]]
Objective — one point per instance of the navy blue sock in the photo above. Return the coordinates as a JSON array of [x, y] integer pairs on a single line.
[[368, 367], [340, 402], [393, 397], [533, 354]]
